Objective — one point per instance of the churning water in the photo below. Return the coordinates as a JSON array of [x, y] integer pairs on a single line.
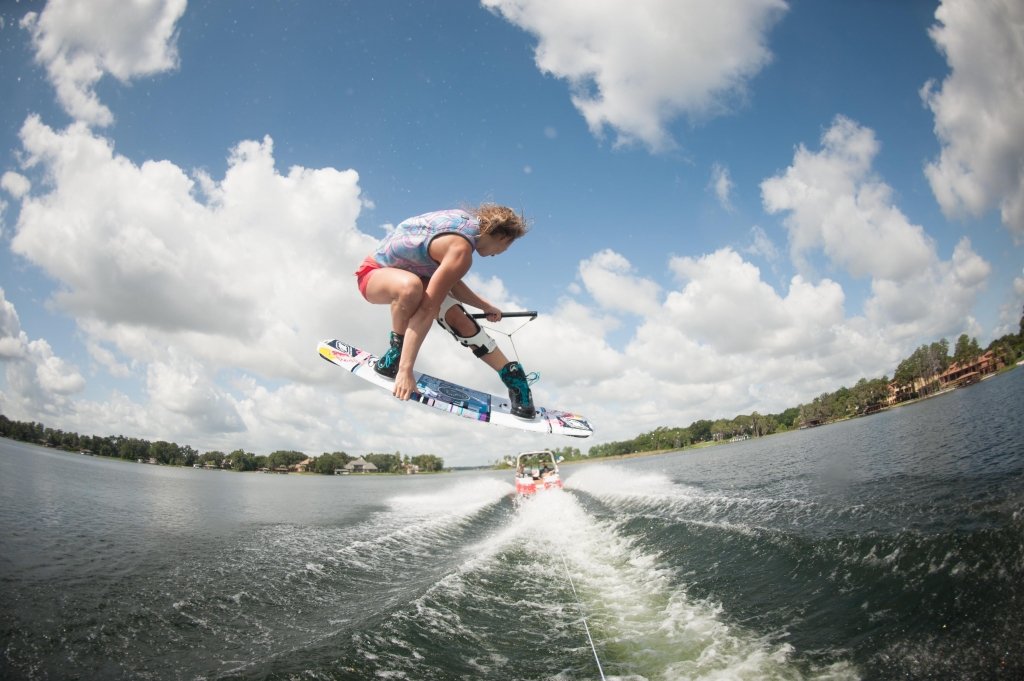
[[880, 548]]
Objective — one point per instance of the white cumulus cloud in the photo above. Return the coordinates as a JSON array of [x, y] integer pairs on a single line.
[[15, 184], [727, 305], [38, 381], [978, 109], [13, 341], [834, 202], [610, 279], [724, 342], [635, 66], [244, 278], [721, 184], [175, 278], [80, 42], [762, 245]]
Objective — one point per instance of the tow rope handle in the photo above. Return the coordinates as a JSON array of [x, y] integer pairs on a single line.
[[532, 314]]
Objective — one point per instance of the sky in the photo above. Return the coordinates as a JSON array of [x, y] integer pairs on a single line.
[[735, 205]]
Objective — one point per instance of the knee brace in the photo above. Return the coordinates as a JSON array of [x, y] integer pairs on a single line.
[[480, 343]]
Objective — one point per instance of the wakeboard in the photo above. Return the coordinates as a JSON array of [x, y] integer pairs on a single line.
[[456, 399]]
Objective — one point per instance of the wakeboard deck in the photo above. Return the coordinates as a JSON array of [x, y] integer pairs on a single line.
[[456, 399]]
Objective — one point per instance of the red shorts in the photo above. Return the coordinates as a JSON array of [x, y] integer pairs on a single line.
[[366, 268]]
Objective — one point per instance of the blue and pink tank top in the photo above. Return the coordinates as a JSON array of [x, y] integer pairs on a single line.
[[406, 246]]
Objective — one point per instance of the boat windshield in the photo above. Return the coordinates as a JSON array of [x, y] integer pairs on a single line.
[[536, 464]]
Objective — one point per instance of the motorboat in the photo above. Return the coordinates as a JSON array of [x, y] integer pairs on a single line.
[[537, 472]]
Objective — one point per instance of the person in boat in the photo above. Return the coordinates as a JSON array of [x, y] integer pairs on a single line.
[[419, 269], [545, 471]]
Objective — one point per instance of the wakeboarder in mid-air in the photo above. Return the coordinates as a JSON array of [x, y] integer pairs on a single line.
[[419, 269]]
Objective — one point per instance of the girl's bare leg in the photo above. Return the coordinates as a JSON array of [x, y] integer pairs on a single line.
[[402, 290]]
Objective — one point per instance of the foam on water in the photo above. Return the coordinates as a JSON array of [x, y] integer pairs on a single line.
[[640, 611], [643, 622], [618, 481], [463, 497], [416, 525]]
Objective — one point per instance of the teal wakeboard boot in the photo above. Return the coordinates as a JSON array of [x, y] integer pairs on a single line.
[[518, 384], [387, 364]]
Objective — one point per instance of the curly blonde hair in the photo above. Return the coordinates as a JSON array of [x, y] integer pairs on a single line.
[[500, 221]]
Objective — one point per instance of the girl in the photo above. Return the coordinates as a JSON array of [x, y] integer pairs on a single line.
[[418, 269]]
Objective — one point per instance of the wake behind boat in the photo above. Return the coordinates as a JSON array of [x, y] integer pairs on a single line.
[[537, 472]]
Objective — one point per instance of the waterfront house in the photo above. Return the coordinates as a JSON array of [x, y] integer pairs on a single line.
[[360, 465], [971, 372], [956, 375]]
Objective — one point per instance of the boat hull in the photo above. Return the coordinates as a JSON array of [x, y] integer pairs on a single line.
[[530, 486]]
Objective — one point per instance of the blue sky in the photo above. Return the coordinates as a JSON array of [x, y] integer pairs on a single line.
[[736, 205]]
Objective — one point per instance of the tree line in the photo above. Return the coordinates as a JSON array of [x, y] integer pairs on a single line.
[[702, 430], [173, 454], [923, 367]]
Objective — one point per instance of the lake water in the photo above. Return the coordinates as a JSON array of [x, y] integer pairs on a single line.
[[888, 547]]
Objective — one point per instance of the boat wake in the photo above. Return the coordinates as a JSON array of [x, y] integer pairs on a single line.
[[512, 600]]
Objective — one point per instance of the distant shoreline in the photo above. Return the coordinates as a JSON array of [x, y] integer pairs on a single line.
[[705, 445], [653, 452]]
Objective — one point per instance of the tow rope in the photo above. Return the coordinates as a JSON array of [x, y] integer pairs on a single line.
[[530, 314], [583, 616]]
